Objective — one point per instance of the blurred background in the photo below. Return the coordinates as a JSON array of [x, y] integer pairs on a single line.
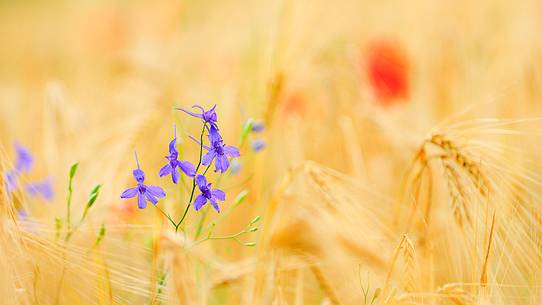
[[87, 78]]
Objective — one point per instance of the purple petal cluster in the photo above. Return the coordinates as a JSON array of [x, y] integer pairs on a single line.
[[10, 178], [216, 151], [143, 192], [24, 159], [42, 188], [258, 127], [174, 165], [258, 145], [23, 164], [208, 116], [207, 194]]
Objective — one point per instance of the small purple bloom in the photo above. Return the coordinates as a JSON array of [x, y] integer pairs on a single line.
[[214, 135], [11, 181], [235, 167], [24, 159], [174, 163], [219, 150], [42, 188], [258, 127], [22, 214], [143, 192], [208, 116], [207, 194], [258, 145]]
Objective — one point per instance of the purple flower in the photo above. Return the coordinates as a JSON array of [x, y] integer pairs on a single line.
[[143, 192], [258, 145], [24, 159], [219, 150], [22, 214], [235, 167], [214, 135], [43, 189], [10, 178], [258, 127], [174, 163], [208, 116], [207, 194], [23, 163]]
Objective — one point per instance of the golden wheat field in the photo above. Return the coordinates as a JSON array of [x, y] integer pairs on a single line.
[[316, 152]]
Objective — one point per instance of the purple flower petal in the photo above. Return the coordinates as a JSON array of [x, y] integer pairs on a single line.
[[11, 181], [187, 168], [43, 189], [214, 136], [221, 163], [208, 116], [24, 158], [235, 166], [139, 175], [199, 143], [258, 127], [215, 204], [151, 197], [219, 194], [141, 202], [199, 202], [201, 181], [208, 157], [155, 191], [231, 151], [200, 116], [173, 146], [175, 176], [258, 145], [23, 214], [129, 193], [165, 170]]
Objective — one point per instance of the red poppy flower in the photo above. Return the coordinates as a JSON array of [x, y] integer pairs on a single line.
[[387, 71]]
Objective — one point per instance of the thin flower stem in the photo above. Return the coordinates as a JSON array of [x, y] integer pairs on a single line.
[[232, 236], [205, 172], [201, 222], [137, 160], [73, 170], [68, 214], [167, 216], [194, 180]]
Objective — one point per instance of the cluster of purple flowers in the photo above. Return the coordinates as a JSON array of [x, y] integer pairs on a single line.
[[217, 151], [24, 164], [258, 144]]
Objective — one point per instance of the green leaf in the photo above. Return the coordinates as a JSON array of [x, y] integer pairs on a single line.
[[255, 220], [240, 198], [251, 244], [247, 127], [101, 235], [73, 170], [93, 195]]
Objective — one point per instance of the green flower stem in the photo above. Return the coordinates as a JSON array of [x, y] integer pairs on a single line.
[[165, 214], [194, 180]]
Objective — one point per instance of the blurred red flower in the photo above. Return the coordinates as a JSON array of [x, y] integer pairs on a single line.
[[387, 70], [294, 104]]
